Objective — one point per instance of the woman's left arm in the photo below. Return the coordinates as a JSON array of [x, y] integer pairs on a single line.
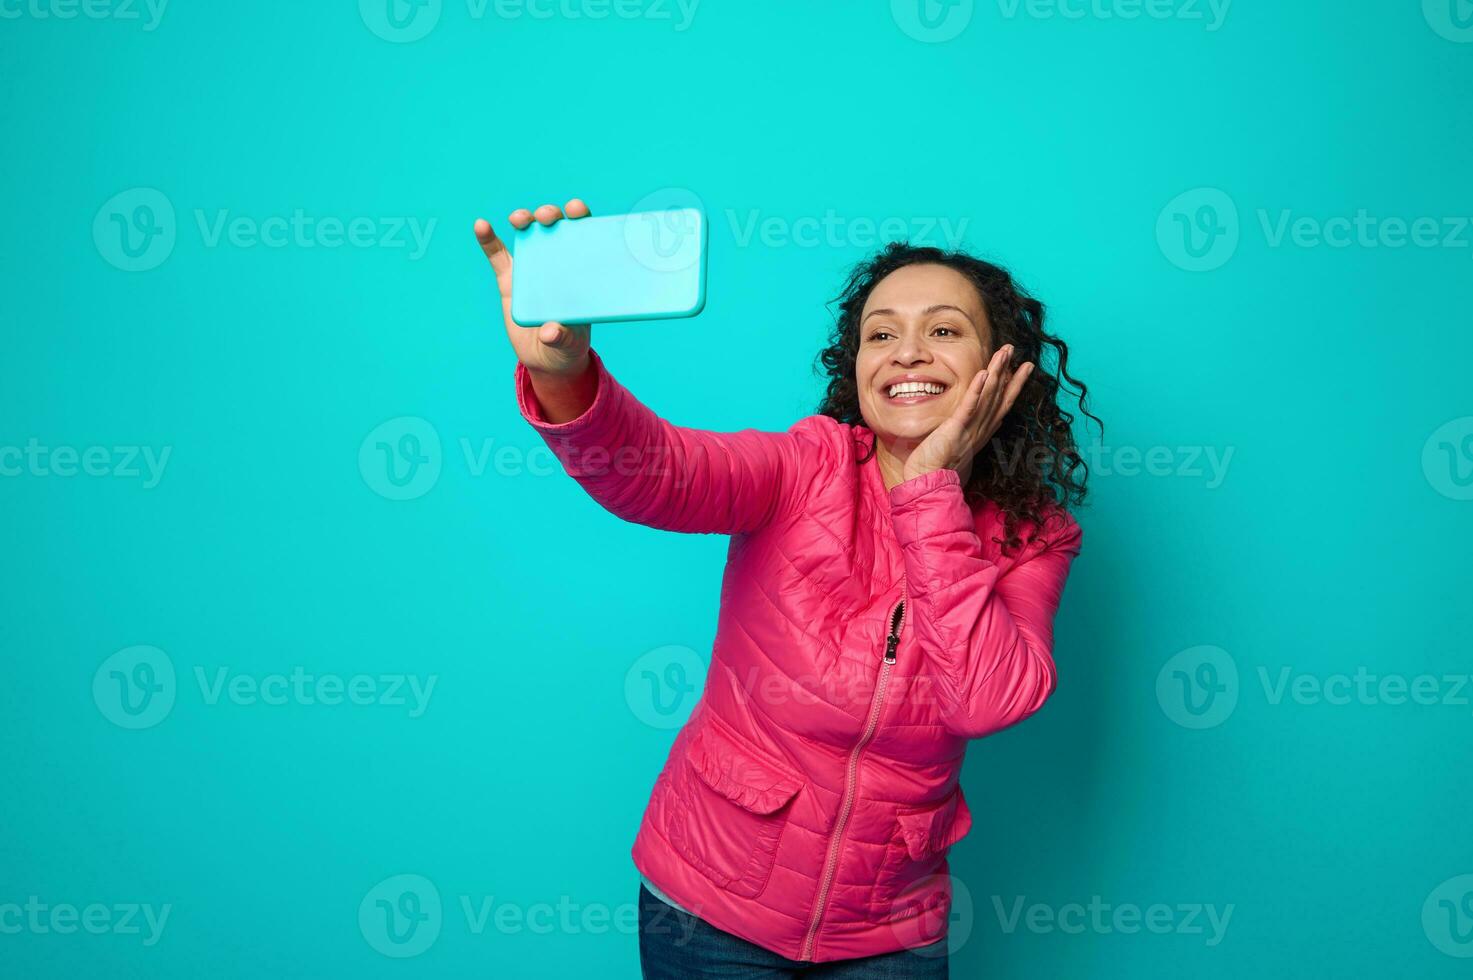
[[987, 636]]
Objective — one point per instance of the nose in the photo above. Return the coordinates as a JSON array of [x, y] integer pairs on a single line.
[[911, 349]]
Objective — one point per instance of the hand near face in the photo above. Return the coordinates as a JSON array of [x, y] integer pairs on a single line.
[[988, 399]]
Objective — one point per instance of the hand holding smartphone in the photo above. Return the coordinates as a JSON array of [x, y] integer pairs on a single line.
[[552, 350], [642, 266]]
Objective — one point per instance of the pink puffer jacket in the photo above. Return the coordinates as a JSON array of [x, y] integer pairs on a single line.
[[863, 637]]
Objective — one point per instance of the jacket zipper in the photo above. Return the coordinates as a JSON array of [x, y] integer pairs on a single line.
[[851, 776]]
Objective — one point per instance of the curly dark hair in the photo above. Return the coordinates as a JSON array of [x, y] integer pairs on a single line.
[[1033, 464]]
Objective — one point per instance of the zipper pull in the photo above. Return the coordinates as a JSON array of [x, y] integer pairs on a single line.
[[893, 640]]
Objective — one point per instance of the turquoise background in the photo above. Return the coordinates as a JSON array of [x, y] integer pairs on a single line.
[[1337, 539]]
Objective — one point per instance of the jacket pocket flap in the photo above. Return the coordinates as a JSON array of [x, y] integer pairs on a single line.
[[929, 832], [739, 772]]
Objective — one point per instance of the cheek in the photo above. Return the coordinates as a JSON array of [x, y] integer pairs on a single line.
[[967, 363], [871, 405]]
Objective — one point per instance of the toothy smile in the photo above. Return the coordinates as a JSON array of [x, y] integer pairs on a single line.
[[911, 391]]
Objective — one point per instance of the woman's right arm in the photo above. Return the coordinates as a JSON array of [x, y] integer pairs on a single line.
[[632, 462]]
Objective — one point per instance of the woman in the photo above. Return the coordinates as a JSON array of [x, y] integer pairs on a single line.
[[889, 593]]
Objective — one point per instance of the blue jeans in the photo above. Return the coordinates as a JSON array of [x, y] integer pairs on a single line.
[[674, 945]]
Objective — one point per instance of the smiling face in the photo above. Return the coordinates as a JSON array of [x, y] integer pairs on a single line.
[[924, 329]]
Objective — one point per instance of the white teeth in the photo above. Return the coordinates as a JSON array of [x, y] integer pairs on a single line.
[[916, 388]]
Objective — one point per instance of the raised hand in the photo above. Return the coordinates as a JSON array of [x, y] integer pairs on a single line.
[[553, 349], [988, 399]]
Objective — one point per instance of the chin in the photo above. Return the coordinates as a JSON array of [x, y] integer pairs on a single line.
[[915, 423], [906, 424], [912, 430]]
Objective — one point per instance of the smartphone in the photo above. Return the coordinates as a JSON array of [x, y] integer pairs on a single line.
[[650, 265]]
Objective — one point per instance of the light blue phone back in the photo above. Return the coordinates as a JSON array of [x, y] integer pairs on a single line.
[[645, 266]]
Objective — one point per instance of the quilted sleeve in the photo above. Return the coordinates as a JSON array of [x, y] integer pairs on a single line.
[[987, 637], [643, 469]]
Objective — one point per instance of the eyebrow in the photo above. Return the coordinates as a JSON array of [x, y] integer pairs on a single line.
[[935, 308]]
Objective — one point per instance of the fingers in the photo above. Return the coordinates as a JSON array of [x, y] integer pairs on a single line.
[[494, 248], [555, 334], [997, 372], [972, 404], [1003, 394], [1015, 387], [563, 336], [989, 397], [990, 408], [965, 412], [1002, 359], [1001, 369], [548, 214], [496, 251]]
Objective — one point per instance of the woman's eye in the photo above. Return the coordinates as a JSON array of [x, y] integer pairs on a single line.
[[878, 334], [947, 329]]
